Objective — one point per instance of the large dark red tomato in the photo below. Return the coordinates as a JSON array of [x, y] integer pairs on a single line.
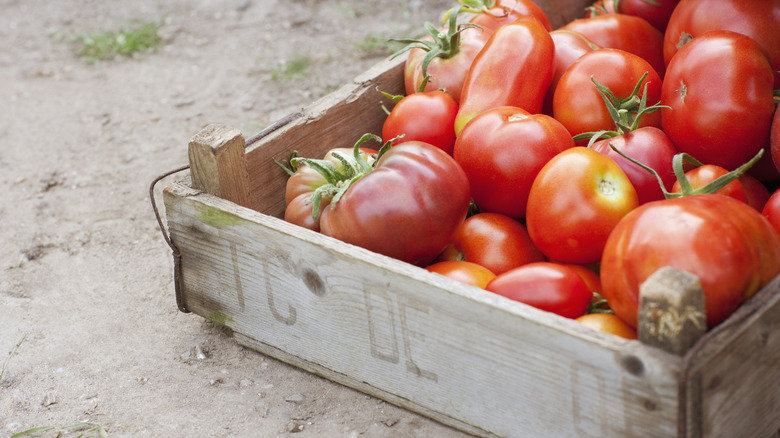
[[755, 19], [407, 207], [502, 150], [548, 286], [718, 88], [731, 248]]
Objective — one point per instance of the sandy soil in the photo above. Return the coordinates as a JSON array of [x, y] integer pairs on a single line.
[[85, 276]]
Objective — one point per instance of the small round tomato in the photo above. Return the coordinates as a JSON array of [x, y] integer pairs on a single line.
[[756, 192], [427, 116], [493, 240], [502, 150], [608, 323], [575, 201], [463, 271], [579, 106], [701, 176], [772, 210], [547, 286]]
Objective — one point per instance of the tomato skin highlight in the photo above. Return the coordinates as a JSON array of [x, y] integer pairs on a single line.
[[407, 208], [495, 241], [719, 90], [547, 286], [502, 150], [463, 271], [731, 248], [495, 79], [608, 323], [575, 201], [425, 116]]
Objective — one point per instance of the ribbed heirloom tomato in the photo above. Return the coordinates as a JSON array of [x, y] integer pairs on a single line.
[[726, 243]]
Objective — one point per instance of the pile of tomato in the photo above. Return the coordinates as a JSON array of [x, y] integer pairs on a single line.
[[562, 167]]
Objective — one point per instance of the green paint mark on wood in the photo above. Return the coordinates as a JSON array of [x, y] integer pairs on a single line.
[[217, 218], [220, 318]]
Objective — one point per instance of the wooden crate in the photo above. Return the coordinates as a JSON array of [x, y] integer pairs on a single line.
[[455, 353]]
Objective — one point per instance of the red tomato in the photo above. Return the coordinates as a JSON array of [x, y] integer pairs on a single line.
[[575, 201], [495, 241], [608, 323], [546, 286], [590, 277], [569, 46], [756, 192], [651, 147], [625, 32], [719, 90], [301, 207], [495, 14], [772, 210], [774, 140], [755, 19], [731, 248], [656, 12], [502, 150], [407, 207], [520, 80], [577, 102], [454, 54], [703, 175], [428, 117], [463, 271]]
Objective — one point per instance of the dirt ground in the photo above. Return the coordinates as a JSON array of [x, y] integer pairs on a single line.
[[86, 279]]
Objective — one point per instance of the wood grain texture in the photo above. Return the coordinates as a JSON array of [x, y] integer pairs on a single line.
[[457, 353], [671, 310], [218, 164]]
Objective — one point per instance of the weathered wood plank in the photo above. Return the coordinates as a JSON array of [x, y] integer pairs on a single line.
[[218, 165], [464, 356], [671, 310]]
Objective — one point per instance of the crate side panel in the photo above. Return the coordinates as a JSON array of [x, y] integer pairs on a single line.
[[337, 120], [478, 360], [741, 380]]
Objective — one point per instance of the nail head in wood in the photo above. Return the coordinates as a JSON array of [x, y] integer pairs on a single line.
[[671, 310], [218, 163]]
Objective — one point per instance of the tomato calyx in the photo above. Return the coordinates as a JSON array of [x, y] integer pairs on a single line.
[[338, 181], [626, 112], [599, 304], [445, 44], [686, 188]]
